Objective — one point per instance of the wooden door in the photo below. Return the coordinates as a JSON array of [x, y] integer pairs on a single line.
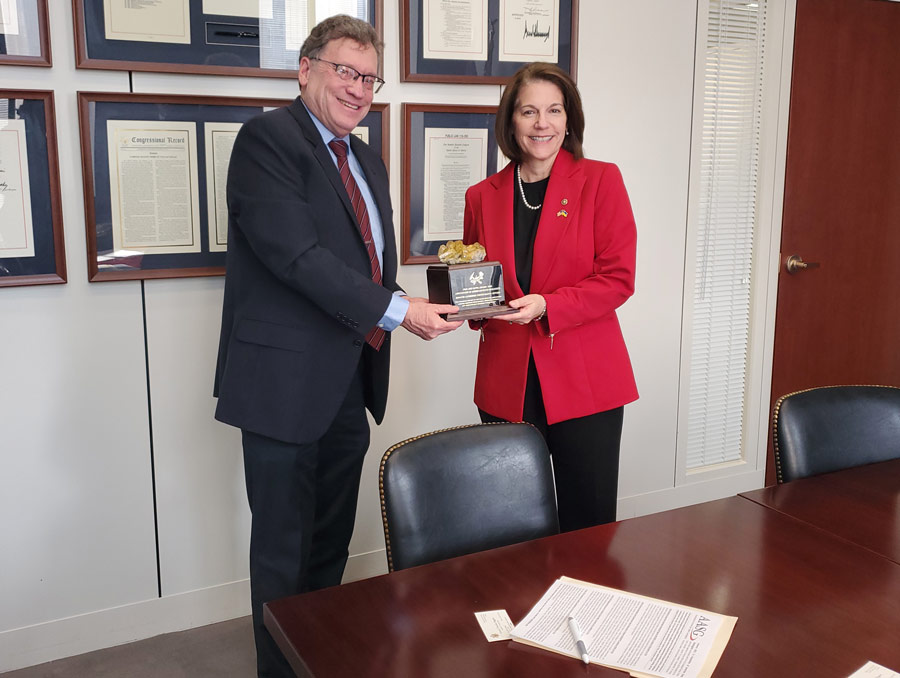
[[839, 323]]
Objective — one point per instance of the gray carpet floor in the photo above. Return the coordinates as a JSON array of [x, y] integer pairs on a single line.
[[222, 650]]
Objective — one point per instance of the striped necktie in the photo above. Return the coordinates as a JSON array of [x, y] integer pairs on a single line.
[[375, 337]]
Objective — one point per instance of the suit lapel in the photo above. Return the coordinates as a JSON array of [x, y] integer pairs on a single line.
[[320, 151], [498, 219], [558, 215]]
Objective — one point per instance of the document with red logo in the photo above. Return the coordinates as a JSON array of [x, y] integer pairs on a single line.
[[645, 636]]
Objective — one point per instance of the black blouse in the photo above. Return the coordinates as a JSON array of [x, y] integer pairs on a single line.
[[525, 223]]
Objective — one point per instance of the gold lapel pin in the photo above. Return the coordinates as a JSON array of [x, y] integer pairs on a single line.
[[565, 201]]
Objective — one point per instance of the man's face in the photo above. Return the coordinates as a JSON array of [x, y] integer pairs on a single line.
[[339, 104]]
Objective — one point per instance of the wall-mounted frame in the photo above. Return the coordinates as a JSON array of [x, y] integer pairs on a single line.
[[446, 149], [484, 41], [24, 33], [226, 37], [32, 248], [375, 130], [155, 169]]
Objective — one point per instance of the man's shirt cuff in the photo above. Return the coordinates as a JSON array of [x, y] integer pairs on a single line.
[[395, 313]]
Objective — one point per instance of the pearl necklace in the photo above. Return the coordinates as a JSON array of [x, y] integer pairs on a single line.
[[522, 190]]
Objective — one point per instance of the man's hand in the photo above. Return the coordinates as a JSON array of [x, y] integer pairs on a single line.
[[423, 318]]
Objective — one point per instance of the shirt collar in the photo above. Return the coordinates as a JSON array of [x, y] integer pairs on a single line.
[[326, 134]]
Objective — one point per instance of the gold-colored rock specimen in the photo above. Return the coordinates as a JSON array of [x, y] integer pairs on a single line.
[[454, 252]]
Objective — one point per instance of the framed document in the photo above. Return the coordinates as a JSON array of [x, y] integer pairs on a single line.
[[231, 37], [446, 150], [24, 33], [32, 250], [484, 41], [155, 170]]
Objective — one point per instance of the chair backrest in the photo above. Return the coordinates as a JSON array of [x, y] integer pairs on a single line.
[[465, 489], [835, 427]]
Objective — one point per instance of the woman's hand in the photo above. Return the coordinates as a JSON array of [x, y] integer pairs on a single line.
[[529, 307]]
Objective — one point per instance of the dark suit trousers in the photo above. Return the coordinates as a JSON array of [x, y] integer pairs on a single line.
[[585, 454], [303, 505]]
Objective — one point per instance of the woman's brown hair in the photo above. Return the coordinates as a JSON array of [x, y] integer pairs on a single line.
[[504, 128]]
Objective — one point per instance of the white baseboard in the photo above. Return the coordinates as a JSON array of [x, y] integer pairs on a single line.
[[365, 565], [688, 494], [61, 638]]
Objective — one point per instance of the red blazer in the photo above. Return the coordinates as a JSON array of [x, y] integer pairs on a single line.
[[584, 254]]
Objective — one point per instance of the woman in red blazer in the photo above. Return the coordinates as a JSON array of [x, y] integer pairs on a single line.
[[563, 229]]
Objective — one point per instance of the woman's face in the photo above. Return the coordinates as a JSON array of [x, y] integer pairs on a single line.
[[539, 120]]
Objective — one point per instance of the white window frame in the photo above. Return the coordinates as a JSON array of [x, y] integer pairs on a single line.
[[749, 470]]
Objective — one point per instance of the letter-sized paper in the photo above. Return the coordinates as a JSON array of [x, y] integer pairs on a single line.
[[148, 20], [9, 17], [16, 230], [645, 636], [529, 30], [873, 670], [153, 186], [455, 29], [219, 140], [455, 158]]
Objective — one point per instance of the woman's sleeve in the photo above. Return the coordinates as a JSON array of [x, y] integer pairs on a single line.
[[615, 247]]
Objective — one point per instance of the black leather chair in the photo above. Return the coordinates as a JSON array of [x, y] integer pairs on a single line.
[[835, 427], [465, 489]]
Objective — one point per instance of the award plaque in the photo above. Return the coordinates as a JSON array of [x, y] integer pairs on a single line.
[[476, 288]]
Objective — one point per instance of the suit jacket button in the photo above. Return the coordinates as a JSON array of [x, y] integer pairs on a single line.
[[357, 342]]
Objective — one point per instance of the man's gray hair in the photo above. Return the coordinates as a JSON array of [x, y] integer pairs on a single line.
[[337, 27]]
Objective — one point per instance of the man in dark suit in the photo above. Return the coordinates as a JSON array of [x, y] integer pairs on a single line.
[[310, 300]]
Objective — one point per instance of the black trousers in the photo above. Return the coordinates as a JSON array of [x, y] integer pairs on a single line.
[[585, 453], [303, 504]]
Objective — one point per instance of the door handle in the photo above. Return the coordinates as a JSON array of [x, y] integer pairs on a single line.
[[795, 263]]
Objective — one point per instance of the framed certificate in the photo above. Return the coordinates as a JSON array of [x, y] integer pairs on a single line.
[[24, 33], [484, 41], [155, 171], [446, 150], [32, 249], [231, 37]]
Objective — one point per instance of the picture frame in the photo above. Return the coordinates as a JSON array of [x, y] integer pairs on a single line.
[[378, 124], [485, 41], [25, 33], [32, 243], [196, 36], [447, 148], [148, 199], [154, 169]]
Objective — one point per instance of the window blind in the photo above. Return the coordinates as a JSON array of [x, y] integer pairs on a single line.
[[725, 219]]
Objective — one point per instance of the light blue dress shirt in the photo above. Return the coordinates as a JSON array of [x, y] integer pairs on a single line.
[[396, 310]]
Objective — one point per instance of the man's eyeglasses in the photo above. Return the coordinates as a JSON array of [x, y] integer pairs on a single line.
[[372, 82]]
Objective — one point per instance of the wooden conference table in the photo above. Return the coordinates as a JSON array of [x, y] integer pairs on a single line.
[[861, 505], [808, 602]]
